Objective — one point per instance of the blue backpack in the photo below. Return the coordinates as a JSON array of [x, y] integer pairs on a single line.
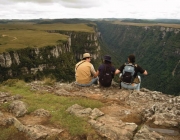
[[128, 73]]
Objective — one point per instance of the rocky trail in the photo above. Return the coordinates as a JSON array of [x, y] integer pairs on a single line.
[[127, 114], [14, 38]]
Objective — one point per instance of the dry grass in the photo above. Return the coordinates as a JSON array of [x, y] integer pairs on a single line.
[[17, 39], [22, 35], [58, 26]]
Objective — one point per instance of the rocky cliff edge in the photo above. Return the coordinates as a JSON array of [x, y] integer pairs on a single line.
[[127, 115]]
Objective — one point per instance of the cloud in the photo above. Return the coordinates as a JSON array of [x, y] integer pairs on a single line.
[[28, 9], [80, 3], [65, 3], [34, 1]]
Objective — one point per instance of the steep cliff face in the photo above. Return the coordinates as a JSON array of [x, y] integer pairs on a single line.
[[58, 60], [157, 49], [82, 42], [7, 59]]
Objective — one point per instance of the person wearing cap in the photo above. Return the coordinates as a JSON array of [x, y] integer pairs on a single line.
[[106, 72], [138, 69], [85, 73]]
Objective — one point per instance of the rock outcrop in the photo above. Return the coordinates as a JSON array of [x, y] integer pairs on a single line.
[[127, 114]]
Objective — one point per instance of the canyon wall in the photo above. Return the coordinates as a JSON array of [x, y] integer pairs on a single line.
[[57, 61]]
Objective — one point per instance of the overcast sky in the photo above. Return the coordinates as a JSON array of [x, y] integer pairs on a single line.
[[53, 9]]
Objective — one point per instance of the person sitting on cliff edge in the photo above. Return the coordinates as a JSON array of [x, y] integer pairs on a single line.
[[85, 73], [129, 74], [106, 72]]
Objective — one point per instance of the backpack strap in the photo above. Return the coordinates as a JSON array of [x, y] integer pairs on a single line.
[[135, 65], [79, 64], [104, 69]]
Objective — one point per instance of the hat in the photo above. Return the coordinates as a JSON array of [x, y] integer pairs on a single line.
[[85, 55], [107, 58]]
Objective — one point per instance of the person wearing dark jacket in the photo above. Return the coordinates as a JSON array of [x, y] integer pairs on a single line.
[[106, 72]]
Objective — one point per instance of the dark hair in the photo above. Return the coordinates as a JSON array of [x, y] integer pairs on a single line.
[[131, 58], [107, 62], [85, 58]]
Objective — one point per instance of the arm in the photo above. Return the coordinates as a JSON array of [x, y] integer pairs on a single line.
[[120, 69], [94, 73], [117, 71], [145, 73], [97, 73], [142, 71]]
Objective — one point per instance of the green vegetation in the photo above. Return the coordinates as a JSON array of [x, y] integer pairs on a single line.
[[22, 35], [81, 27], [49, 80], [9, 133], [56, 105], [146, 24], [46, 21], [168, 21], [155, 51], [18, 39], [60, 68]]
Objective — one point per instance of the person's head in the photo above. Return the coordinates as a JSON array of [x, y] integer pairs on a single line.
[[107, 59], [87, 56], [131, 58]]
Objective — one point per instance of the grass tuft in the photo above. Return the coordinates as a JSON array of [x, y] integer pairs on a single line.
[[14, 82], [6, 133], [49, 80], [56, 105]]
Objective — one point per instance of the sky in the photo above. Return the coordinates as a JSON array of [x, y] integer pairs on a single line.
[[57, 9]]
